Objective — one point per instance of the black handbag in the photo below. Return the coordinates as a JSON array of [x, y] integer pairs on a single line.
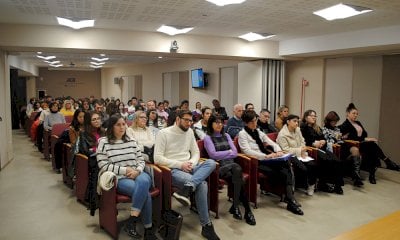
[[171, 228]]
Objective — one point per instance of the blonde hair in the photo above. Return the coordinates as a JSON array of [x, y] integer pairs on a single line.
[[136, 120]]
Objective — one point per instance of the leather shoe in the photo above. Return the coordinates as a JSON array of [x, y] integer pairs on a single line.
[[294, 208], [358, 183], [249, 217], [294, 201], [326, 188], [338, 190], [235, 211], [372, 179]]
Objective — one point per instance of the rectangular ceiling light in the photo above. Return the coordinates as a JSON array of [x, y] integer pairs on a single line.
[[341, 11], [56, 65], [225, 2], [97, 63], [173, 30], [251, 36], [95, 66], [46, 58], [99, 59], [75, 25]]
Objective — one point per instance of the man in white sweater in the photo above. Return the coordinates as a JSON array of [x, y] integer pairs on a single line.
[[177, 149]]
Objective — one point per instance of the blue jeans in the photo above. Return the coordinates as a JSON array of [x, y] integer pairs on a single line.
[[196, 179], [138, 189]]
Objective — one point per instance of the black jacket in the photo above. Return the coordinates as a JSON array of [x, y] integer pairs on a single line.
[[348, 128]]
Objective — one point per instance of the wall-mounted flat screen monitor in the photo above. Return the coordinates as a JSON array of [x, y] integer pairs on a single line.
[[197, 76]]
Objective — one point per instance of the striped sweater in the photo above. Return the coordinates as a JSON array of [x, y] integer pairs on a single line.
[[118, 156]]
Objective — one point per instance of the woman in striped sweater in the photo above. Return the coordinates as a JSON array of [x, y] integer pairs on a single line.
[[120, 154]]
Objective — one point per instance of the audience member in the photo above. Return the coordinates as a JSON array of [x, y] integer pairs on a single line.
[[330, 167], [283, 112], [235, 124], [263, 122], [218, 110], [220, 147], [177, 149], [120, 154], [252, 142], [200, 128], [352, 129]]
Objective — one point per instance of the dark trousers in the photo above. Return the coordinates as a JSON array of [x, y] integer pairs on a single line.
[[39, 137], [371, 155], [330, 168]]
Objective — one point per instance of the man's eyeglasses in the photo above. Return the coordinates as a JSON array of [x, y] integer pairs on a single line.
[[187, 120]]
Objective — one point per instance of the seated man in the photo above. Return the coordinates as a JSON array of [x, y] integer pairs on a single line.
[[218, 110], [235, 124], [263, 122], [177, 149]]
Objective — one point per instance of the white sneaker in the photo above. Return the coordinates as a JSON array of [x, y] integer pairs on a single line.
[[310, 190]]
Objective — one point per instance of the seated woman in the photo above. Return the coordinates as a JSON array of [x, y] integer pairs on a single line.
[[67, 109], [351, 154], [200, 128], [92, 131], [330, 167], [252, 142], [283, 112], [143, 135], [120, 154], [152, 121], [53, 117], [220, 147], [291, 140], [77, 125], [372, 153], [122, 110]]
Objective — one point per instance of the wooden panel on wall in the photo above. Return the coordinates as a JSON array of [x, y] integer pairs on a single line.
[[76, 84]]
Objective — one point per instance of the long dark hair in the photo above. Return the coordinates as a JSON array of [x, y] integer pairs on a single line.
[[155, 122], [75, 123], [304, 120], [89, 129], [110, 128], [214, 118]]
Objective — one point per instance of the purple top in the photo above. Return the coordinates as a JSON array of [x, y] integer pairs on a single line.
[[219, 155]]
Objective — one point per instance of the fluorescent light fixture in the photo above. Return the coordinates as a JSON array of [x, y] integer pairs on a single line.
[[225, 2], [52, 62], [97, 63], [102, 55], [251, 36], [56, 65], [39, 53], [93, 66], [341, 11], [173, 30], [46, 58], [160, 57], [99, 59], [75, 25]]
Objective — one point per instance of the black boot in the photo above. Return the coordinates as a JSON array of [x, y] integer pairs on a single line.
[[130, 227], [356, 174], [372, 179], [149, 234], [391, 165], [292, 207]]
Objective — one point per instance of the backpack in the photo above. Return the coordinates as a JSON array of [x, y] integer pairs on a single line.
[[171, 228]]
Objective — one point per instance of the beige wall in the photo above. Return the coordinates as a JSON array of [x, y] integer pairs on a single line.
[[55, 83], [338, 85], [390, 110], [30, 87], [367, 79], [152, 78], [6, 148], [313, 71], [249, 84]]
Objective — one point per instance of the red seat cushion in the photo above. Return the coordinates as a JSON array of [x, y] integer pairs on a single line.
[[126, 199]]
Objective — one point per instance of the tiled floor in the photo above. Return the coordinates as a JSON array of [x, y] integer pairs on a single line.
[[35, 204]]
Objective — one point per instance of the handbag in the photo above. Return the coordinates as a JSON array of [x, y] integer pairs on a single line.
[[171, 228]]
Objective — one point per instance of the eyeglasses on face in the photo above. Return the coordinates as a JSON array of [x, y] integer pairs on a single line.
[[96, 119], [218, 122], [187, 120], [143, 117]]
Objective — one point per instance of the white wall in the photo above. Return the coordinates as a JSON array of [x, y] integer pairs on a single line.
[[229, 86], [338, 85], [6, 149], [250, 84]]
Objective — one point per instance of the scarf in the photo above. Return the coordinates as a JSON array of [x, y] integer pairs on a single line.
[[254, 134]]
